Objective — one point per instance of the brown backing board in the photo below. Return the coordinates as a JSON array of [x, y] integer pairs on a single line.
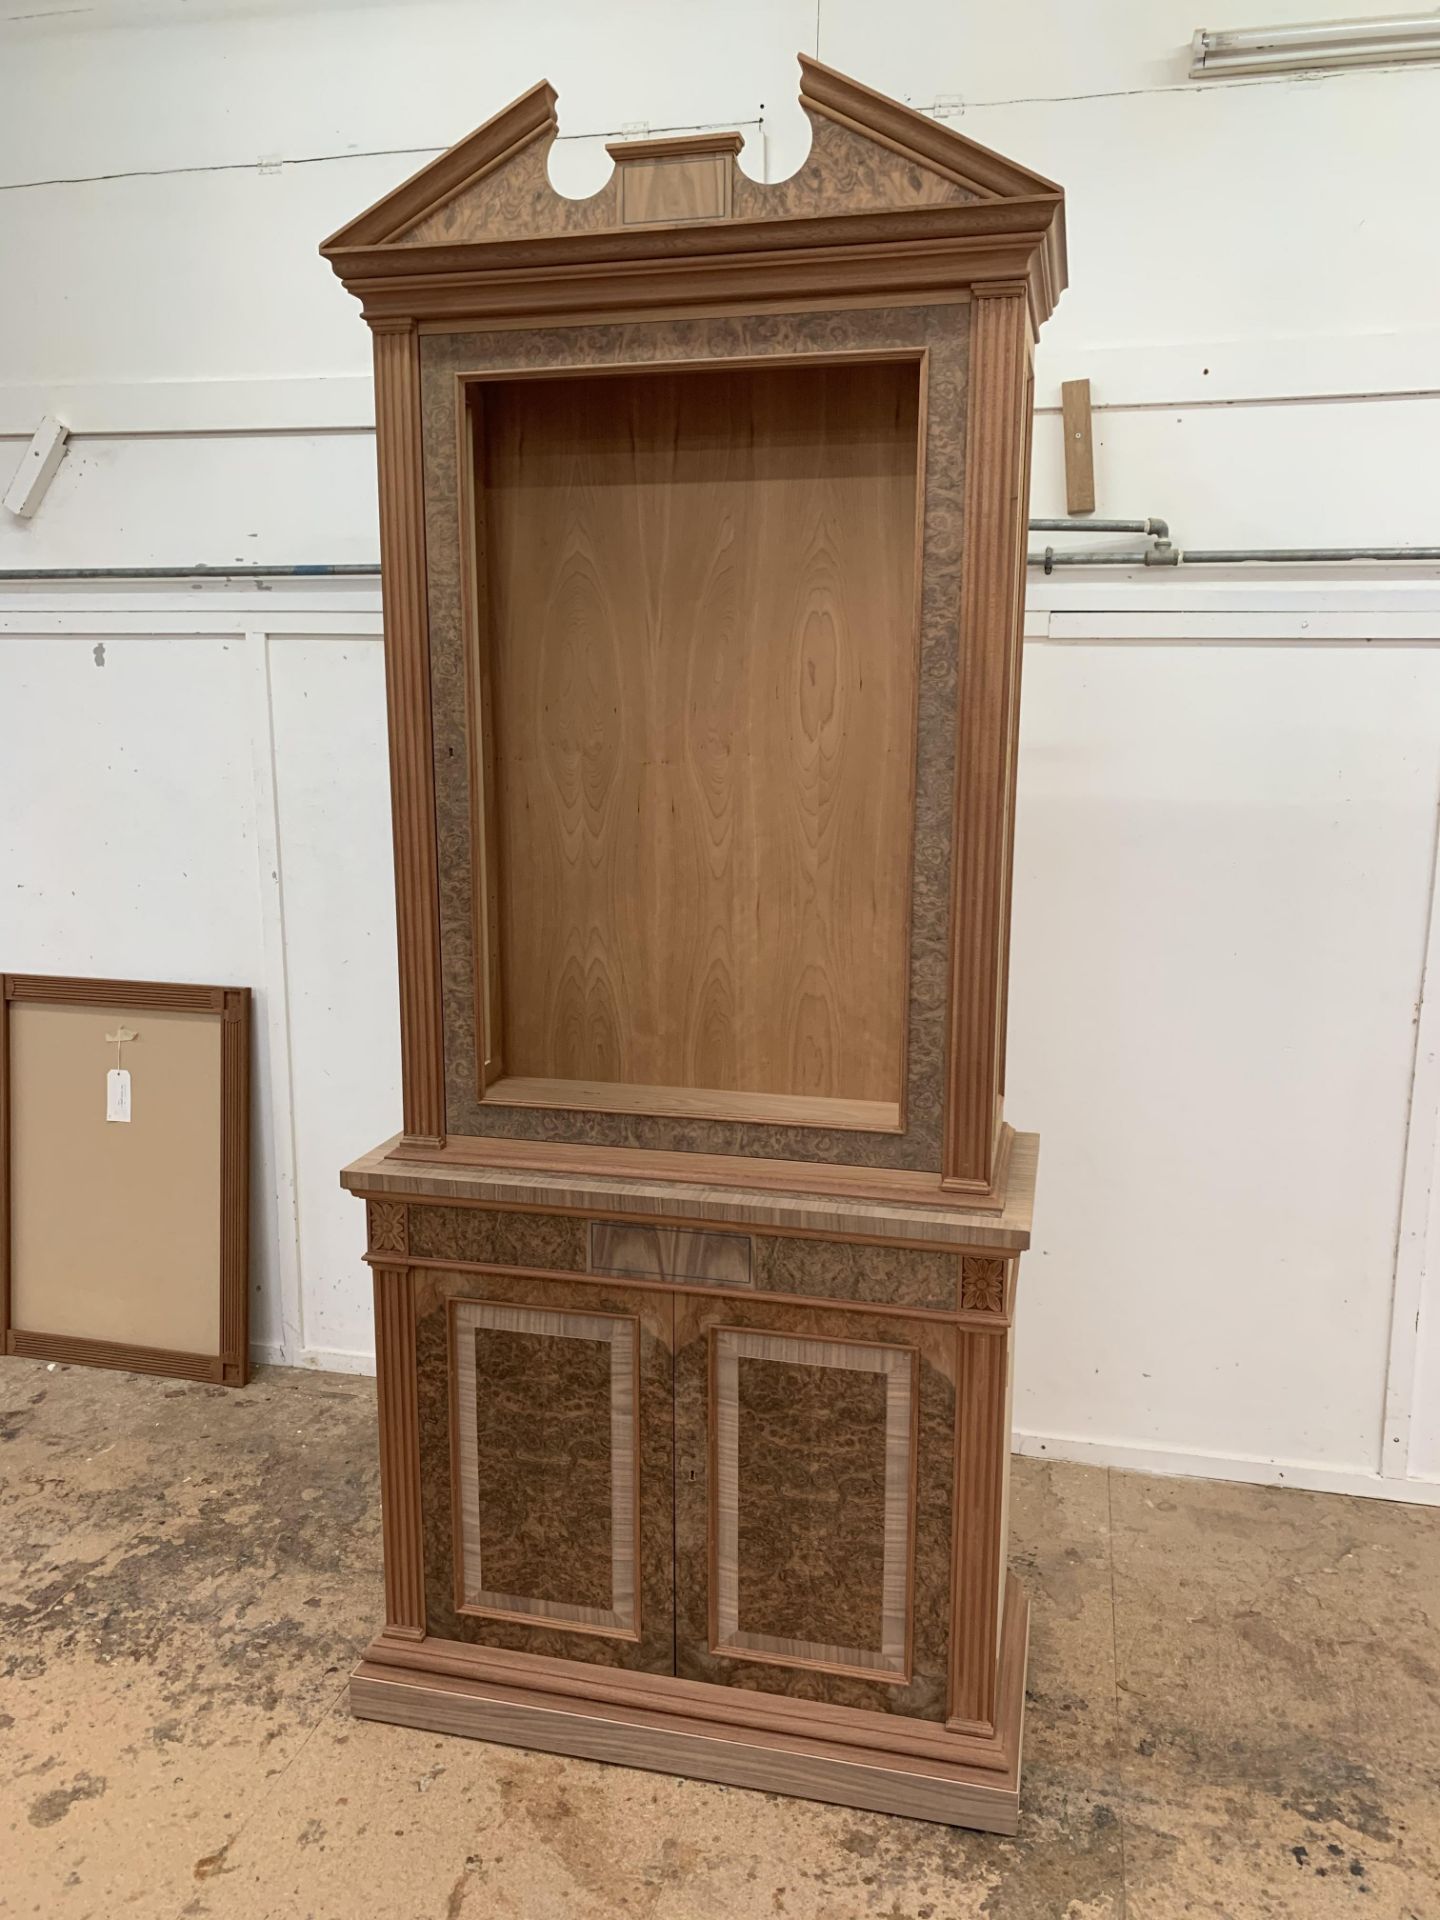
[[701, 633], [125, 1243]]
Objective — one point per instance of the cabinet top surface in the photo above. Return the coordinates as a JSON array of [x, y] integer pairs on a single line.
[[1008, 1231]]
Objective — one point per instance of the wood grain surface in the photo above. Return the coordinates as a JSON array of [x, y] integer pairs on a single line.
[[764, 1109], [668, 1742], [813, 1461], [936, 341], [992, 604], [814, 1523], [702, 645], [606, 1181], [397, 1400], [547, 1514], [408, 688], [546, 1449], [682, 187]]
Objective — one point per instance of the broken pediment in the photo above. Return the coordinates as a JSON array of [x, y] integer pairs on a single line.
[[868, 154]]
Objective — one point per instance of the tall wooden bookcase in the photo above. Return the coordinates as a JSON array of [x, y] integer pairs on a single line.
[[703, 513]]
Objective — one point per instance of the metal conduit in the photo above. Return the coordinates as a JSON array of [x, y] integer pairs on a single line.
[[1165, 554], [1160, 528], [1223, 556], [365, 570], [1162, 554]]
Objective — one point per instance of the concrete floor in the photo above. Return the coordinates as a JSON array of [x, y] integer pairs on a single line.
[[1234, 1704]]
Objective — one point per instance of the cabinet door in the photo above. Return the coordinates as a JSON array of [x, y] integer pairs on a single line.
[[814, 1496], [547, 1466]]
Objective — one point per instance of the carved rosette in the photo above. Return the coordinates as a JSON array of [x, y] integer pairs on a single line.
[[982, 1284], [387, 1224]]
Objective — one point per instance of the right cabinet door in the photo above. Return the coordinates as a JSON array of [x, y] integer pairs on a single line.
[[814, 1502]]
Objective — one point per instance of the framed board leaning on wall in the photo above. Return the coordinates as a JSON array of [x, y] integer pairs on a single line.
[[124, 1175]]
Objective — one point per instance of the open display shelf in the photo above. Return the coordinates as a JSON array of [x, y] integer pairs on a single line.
[[696, 602]]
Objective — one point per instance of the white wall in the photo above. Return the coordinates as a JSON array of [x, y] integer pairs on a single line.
[[1225, 884], [1229, 789]]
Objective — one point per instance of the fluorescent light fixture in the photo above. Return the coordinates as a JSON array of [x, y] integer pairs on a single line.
[[1378, 42]]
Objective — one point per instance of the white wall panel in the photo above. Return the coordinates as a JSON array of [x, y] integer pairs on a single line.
[[1222, 890], [336, 881], [127, 845], [184, 276], [1029, 50], [1252, 477], [1423, 1458], [279, 499], [292, 81]]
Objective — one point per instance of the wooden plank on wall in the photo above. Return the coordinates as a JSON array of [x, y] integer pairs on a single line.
[[1079, 447]]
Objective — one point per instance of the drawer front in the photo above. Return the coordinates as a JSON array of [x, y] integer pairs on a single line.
[[627, 1250]]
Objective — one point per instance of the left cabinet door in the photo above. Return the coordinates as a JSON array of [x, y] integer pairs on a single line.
[[546, 1452]]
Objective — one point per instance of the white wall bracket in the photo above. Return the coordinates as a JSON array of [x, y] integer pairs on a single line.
[[37, 468]]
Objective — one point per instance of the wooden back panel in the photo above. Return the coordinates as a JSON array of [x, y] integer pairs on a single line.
[[700, 620]]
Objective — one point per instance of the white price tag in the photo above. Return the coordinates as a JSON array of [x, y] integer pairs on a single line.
[[117, 1094]]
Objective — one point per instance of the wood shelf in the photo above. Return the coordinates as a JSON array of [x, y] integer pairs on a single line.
[[698, 1103]]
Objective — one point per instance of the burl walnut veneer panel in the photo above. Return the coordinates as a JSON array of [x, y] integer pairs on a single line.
[[843, 168], [545, 1405], [701, 666], [499, 1238], [555, 1407], [801, 1514], [789, 1510], [516, 198], [941, 332], [847, 1270]]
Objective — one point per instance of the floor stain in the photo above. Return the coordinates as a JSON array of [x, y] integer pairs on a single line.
[[55, 1804]]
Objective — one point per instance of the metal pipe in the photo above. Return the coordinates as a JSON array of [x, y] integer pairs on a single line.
[[1161, 555], [1165, 556], [365, 570], [1049, 559], [1160, 528], [1224, 556]]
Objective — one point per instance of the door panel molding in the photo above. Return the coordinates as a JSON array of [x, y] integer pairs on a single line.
[[619, 1333], [814, 1489], [730, 1346]]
